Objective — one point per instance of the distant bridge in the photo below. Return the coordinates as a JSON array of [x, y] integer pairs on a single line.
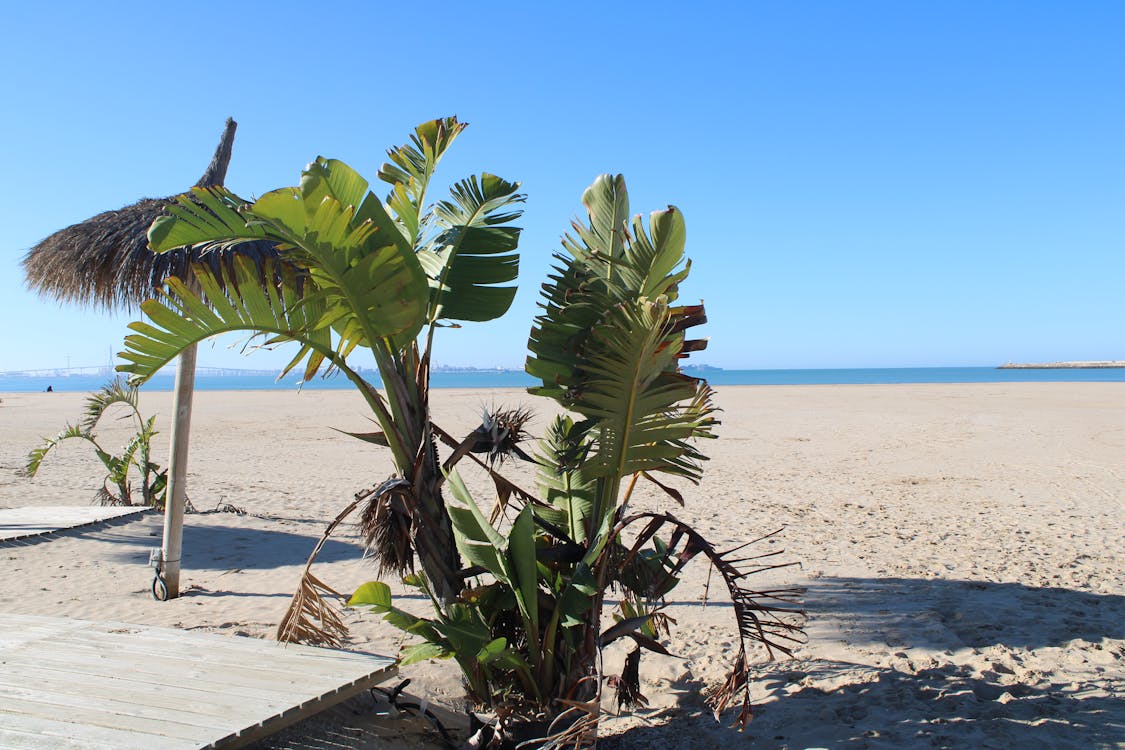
[[109, 372]]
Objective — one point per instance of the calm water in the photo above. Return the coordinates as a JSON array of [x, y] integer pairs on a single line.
[[506, 379]]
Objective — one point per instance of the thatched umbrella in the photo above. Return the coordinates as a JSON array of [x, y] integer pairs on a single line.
[[105, 262]]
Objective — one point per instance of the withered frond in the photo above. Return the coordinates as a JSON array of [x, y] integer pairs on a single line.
[[105, 496], [311, 619], [386, 526], [770, 617], [574, 729], [629, 683], [734, 687]]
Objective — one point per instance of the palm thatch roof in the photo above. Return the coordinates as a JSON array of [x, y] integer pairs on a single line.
[[105, 261]]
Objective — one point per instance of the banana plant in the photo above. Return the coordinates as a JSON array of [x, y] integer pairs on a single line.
[[607, 347], [360, 271], [116, 489]]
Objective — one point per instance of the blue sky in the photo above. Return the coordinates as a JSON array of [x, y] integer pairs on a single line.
[[864, 184]]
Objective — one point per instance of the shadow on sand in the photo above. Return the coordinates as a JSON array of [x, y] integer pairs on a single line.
[[949, 614], [886, 709], [209, 544], [968, 700]]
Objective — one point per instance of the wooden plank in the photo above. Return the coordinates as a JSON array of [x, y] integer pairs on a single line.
[[253, 672], [94, 717], [27, 522], [12, 740], [65, 702], [133, 686], [144, 681], [169, 697], [23, 732]]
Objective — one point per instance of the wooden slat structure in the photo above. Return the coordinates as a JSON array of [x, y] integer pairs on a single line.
[[101, 685], [24, 523]]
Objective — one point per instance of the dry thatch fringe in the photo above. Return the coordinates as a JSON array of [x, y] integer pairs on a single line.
[[105, 261], [310, 618], [771, 617]]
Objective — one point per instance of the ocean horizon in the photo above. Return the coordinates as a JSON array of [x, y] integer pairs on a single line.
[[256, 380]]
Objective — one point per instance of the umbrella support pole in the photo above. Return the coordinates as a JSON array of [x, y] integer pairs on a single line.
[[177, 472]]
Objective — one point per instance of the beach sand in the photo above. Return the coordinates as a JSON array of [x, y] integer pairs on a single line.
[[962, 547]]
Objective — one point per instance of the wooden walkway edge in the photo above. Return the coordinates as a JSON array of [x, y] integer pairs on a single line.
[[102, 685], [17, 524]]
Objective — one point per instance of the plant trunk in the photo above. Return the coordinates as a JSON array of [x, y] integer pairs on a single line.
[[433, 531]]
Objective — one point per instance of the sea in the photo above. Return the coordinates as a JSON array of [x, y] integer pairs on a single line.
[[234, 381]]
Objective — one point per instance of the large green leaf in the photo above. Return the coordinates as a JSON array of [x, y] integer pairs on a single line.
[[474, 252], [410, 168], [376, 596], [522, 563], [422, 651], [370, 281], [463, 629], [652, 256], [371, 287], [561, 482], [333, 178], [476, 539], [632, 390], [182, 317], [608, 343], [607, 203], [204, 215]]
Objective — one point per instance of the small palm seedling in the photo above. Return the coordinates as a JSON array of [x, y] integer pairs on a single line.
[[117, 487]]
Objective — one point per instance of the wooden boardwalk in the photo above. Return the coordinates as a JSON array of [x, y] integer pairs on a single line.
[[99, 685], [24, 523]]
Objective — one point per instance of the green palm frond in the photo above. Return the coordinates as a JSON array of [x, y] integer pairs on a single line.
[[561, 482], [410, 168], [474, 252], [570, 311], [117, 391], [371, 288], [333, 178], [203, 216], [609, 342], [36, 455], [182, 317], [371, 284], [635, 395]]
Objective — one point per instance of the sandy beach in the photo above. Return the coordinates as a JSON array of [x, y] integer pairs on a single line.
[[961, 546]]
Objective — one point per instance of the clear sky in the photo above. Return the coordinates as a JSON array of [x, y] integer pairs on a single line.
[[865, 184]]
